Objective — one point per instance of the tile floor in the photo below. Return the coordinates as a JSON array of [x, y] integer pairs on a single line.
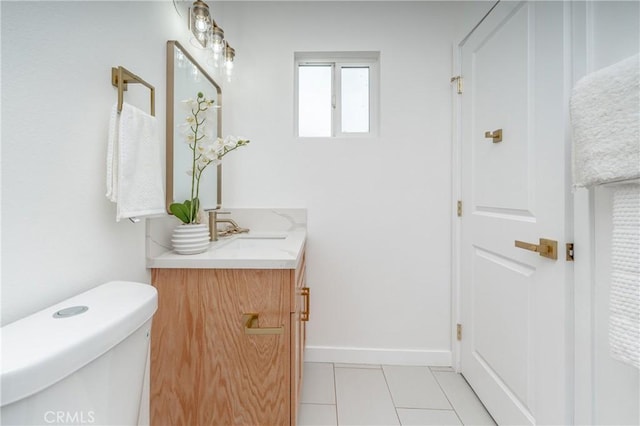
[[354, 394]]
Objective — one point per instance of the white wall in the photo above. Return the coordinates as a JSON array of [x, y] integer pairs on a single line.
[[379, 208], [59, 235]]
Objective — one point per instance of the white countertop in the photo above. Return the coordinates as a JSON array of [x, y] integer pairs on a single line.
[[254, 250]]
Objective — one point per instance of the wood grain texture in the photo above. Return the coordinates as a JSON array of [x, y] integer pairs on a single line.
[[204, 369], [174, 369], [249, 374]]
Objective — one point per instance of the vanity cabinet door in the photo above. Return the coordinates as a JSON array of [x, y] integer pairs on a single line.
[[248, 374], [206, 368], [176, 339]]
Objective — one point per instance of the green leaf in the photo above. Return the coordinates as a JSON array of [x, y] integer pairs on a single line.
[[180, 211], [190, 213]]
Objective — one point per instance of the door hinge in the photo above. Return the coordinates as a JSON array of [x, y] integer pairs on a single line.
[[459, 331], [458, 80], [569, 251], [459, 208]]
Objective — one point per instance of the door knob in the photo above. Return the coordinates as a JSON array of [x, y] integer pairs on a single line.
[[496, 135], [546, 248]]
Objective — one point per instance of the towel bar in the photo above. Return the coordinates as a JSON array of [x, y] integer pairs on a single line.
[[121, 76]]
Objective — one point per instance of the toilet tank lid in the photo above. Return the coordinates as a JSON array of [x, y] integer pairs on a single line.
[[40, 350]]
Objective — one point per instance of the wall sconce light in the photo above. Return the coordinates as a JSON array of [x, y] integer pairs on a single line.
[[200, 21], [229, 55], [208, 34], [216, 43]]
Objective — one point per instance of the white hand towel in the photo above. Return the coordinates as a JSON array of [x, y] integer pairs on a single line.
[[134, 175], [112, 155], [624, 301], [605, 116]]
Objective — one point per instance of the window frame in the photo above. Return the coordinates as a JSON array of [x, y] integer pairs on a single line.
[[337, 61]]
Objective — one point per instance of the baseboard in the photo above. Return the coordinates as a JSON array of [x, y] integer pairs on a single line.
[[377, 356]]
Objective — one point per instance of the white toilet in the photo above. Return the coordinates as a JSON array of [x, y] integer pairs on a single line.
[[81, 361]]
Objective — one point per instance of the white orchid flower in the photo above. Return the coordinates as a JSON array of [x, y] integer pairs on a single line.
[[201, 163], [230, 141], [216, 161], [218, 146], [199, 130], [210, 153]]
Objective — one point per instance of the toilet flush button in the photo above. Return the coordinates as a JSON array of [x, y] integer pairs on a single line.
[[71, 311]]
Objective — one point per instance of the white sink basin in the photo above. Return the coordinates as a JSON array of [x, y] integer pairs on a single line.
[[254, 241]]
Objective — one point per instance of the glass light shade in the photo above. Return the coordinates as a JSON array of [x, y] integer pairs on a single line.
[[200, 18], [228, 66], [216, 43], [229, 55], [217, 39], [201, 25]]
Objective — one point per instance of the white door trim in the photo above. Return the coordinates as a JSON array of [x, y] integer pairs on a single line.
[[456, 191], [584, 231]]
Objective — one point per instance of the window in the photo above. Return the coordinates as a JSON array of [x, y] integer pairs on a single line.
[[336, 94]]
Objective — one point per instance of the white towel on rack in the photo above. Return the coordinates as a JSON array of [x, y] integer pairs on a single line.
[[134, 175], [112, 166], [605, 116], [624, 303]]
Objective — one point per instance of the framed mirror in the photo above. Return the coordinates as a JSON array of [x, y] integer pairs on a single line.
[[185, 78]]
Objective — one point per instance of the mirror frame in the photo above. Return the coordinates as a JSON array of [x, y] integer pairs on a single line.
[[170, 125]]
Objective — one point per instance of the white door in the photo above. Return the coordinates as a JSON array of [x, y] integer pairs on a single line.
[[513, 301]]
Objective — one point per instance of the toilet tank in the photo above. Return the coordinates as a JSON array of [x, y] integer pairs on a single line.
[[81, 361]]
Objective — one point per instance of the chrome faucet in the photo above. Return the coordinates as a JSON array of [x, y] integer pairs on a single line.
[[214, 233]]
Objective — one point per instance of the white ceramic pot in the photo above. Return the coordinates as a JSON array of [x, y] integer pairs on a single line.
[[190, 238]]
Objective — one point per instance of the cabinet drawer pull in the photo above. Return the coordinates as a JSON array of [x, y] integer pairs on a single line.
[[250, 322], [304, 316]]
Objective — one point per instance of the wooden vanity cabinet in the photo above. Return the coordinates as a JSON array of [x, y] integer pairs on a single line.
[[206, 367]]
